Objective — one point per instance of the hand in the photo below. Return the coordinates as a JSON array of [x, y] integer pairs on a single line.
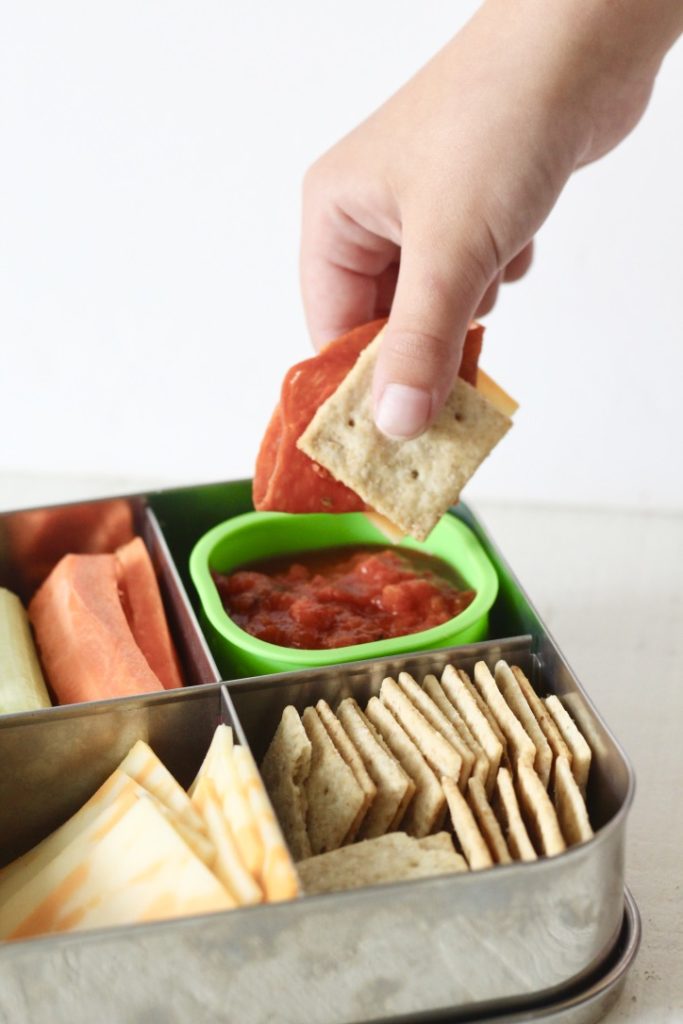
[[434, 200]]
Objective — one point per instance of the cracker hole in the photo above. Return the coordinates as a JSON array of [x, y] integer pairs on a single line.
[[414, 474], [351, 422], [459, 417]]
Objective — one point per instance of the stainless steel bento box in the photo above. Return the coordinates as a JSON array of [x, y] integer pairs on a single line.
[[522, 939]]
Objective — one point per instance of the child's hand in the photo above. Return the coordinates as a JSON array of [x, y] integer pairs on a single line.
[[456, 172]]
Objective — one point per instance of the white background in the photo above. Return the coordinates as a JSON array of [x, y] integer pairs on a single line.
[[150, 164]]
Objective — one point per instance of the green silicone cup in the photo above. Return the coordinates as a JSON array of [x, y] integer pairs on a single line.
[[259, 535]]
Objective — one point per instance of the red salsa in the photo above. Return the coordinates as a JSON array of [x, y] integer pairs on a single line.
[[342, 596]]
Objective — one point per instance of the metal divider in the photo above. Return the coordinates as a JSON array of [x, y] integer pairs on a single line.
[[198, 662]]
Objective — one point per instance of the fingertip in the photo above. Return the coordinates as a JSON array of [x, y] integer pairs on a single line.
[[402, 412]]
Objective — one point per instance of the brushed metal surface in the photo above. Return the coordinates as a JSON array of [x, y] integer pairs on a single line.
[[472, 945], [194, 970], [199, 665], [384, 951], [53, 760]]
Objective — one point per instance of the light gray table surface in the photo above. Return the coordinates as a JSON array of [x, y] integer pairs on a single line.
[[610, 586]]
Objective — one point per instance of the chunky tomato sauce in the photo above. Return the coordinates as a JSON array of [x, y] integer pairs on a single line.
[[342, 596]]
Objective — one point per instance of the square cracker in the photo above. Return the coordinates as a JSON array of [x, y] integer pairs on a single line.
[[508, 812], [467, 830], [543, 716], [334, 797], [461, 693], [512, 692], [412, 483], [520, 745], [353, 760], [433, 688], [441, 757], [284, 770], [391, 858], [489, 825], [438, 720], [395, 789], [427, 808], [571, 809], [581, 752], [538, 811], [438, 841]]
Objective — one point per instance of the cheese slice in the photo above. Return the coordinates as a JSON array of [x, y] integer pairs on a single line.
[[21, 870], [143, 766], [494, 393], [130, 866], [390, 530]]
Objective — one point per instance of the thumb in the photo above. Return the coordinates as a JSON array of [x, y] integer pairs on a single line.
[[438, 290]]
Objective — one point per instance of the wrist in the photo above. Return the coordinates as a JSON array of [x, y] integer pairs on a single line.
[[593, 62]]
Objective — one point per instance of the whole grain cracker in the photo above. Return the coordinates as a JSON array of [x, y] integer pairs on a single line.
[[438, 841], [512, 692], [390, 858], [284, 770], [538, 811], [433, 688], [571, 808], [395, 788], [428, 806], [508, 813], [353, 760], [487, 822], [466, 829], [441, 757], [581, 752], [334, 797], [436, 718], [520, 745], [483, 726], [543, 716], [414, 482]]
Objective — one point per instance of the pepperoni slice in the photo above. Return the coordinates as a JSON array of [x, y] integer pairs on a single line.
[[286, 480]]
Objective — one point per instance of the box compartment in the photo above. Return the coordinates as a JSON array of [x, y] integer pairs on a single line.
[[549, 940]]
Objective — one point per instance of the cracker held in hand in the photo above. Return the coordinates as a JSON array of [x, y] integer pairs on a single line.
[[412, 483]]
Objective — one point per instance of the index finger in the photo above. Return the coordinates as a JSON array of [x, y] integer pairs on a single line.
[[343, 271]]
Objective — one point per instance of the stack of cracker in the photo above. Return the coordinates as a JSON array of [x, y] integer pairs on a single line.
[[486, 757]]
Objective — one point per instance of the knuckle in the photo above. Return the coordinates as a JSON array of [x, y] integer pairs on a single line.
[[418, 356]]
